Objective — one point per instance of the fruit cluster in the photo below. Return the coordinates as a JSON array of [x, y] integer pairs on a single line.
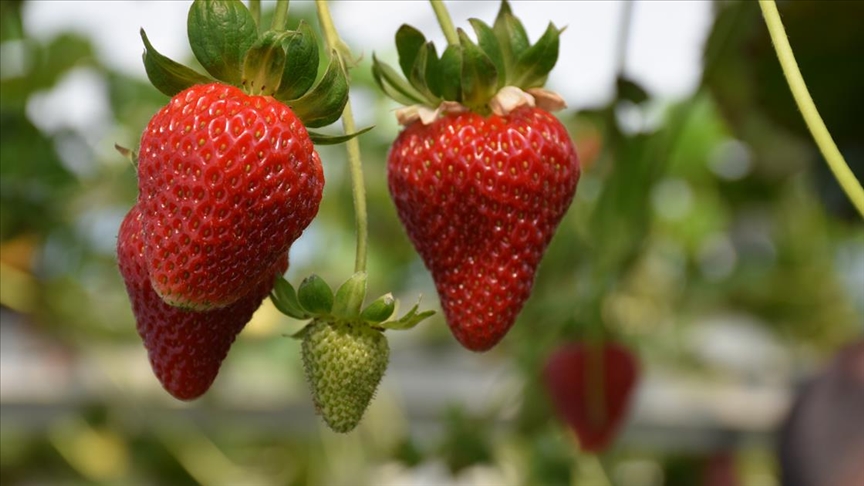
[[228, 179]]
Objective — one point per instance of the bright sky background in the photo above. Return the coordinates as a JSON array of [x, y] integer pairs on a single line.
[[664, 51]]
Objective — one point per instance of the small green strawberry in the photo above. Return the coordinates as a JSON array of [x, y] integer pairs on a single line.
[[345, 352], [344, 364]]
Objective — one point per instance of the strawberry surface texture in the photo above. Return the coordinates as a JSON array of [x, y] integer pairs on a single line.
[[186, 348], [480, 198], [590, 388], [227, 182]]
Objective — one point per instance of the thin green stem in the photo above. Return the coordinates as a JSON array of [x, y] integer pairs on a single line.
[[255, 10], [624, 37], [355, 164], [814, 122], [445, 21], [280, 16]]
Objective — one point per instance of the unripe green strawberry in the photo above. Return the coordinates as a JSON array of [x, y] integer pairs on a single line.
[[227, 182], [344, 363]]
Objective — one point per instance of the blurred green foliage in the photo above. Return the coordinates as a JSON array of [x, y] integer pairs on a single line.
[[719, 205]]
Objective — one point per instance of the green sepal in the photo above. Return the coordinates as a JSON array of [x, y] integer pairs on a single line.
[[264, 64], [629, 90], [394, 85], [487, 41], [128, 154], [324, 103], [301, 63], [431, 69], [450, 73], [220, 32], [479, 77], [322, 139], [301, 334], [409, 320], [417, 76], [315, 296], [409, 41], [533, 65], [380, 310], [349, 297], [512, 38], [285, 299], [168, 76]]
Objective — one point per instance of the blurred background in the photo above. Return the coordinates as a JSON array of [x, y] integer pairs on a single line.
[[706, 234]]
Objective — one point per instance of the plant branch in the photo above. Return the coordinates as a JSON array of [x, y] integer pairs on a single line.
[[445, 21], [280, 16], [805, 103], [358, 189]]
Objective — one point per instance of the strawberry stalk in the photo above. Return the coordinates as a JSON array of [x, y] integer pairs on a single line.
[[255, 11], [280, 16], [445, 21], [355, 164]]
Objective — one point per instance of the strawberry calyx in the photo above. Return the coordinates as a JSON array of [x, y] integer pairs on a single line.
[[314, 299], [282, 64], [486, 77]]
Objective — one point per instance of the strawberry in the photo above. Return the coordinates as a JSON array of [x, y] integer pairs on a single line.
[[227, 183], [480, 198], [590, 387], [482, 174], [228, 177], [185, 348], [344, 362]]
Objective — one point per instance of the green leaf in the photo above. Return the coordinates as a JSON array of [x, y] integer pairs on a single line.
[[285, 299], [315, 296], [323, 105], [322, 139], [301, 334], [220, 32], [128, 154], [512, 38], [487, 41], [301, 63], [409, 320], [380, 310], [409, 41], [479, 77], [264, 63], [394, 85], [533, 65], [631, 91], [350, 296], [168, 76], [450, 73]]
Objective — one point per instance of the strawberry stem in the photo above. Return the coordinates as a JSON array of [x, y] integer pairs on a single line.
[[358, 189], [255, 10], [445, 21], [280, 16], [805, 103]]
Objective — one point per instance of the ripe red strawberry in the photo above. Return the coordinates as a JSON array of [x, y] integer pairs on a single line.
[[227, 182], [590, 388], [482, 173], [480, 198], [185, 347]]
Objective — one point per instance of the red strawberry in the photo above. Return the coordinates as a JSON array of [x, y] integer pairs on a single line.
[[185, 347], [480, 198], [227, 182], [590, 388]]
